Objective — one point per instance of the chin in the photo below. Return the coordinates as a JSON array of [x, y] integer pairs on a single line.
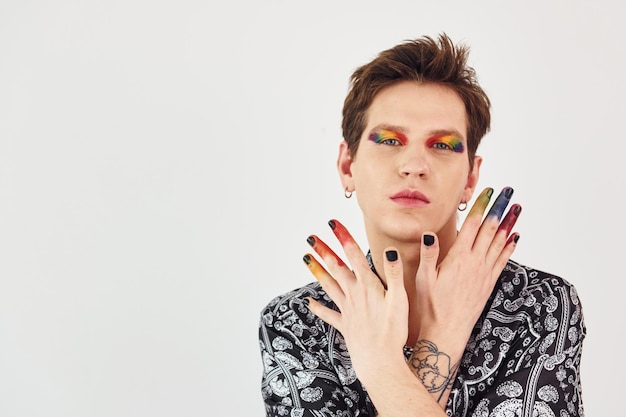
[[405, 230]]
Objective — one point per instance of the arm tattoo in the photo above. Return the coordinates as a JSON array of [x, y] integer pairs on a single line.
[[432, 367]]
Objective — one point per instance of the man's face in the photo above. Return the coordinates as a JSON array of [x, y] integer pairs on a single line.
[[411, 170]]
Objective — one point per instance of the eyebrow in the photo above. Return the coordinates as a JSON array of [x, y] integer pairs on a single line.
[[446, 132], [385, 126]]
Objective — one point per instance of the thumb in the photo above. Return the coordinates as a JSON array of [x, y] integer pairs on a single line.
[[429, 254]]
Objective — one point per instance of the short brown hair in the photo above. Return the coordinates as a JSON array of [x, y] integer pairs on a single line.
[[420, 60]]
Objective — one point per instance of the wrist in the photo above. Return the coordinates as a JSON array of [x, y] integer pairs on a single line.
[[450, 343]]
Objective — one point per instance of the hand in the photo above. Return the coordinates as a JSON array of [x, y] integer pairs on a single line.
[[452, 295], [373, 320]]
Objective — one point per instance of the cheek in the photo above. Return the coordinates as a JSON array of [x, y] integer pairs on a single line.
[[454, 187], [461, 176], [368, 176]]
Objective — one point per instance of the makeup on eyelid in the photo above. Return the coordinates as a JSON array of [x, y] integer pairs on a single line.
[[452, 141], [382, 135]]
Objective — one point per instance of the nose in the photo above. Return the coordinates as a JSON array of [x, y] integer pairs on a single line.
[[415, 166]]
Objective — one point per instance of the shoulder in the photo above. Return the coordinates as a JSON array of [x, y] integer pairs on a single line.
[[292, 302], [534, 307], [522, 286], [526, 276], [306, 365], [287, 320], [525, 351]]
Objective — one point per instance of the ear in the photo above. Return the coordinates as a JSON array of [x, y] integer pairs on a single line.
[[344, 167], [472, 179]]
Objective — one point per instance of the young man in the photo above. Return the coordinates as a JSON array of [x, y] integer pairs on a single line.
[[432, 321]]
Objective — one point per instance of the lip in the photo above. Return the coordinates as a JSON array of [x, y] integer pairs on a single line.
[[410, 198]]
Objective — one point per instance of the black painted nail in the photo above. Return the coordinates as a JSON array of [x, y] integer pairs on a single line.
[[517, 210], [516, 238], [391, 255], [306, 302], [508, 193], [306, 259], [490, 192], [332, 224], [310, 240], [429, 240]]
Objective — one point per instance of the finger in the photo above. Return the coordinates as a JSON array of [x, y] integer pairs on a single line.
[[502, 237], [510, 219], [350, 247], [505, 255], [490, 224], [429, 254], [479, 206], [338, 269], [471, 225], [501, 203], [329, 284], [323, 250], [329, 315], [513, 238], [394, 274]]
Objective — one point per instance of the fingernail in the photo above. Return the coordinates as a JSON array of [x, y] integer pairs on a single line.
[[306, 259], [311, 240], [332, 224], [516, 238], [508, 193], [306, 302], [391, 255], [429, 240], [490, 192], [517, 210]]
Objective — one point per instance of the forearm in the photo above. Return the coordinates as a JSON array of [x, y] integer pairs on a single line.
[[396, 392], [420, 386], [435, 369]]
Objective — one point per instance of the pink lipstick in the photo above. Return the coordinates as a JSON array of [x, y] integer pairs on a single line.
[[410, 198]]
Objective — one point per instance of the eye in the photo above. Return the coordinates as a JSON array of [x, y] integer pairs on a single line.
[[388, 138], [391, 142], [441, 146], [446, 143]]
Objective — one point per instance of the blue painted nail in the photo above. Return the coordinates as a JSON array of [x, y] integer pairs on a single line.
[[501, 202]]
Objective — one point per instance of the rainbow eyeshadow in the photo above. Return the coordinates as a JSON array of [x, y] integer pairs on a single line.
[[452, 141], [382, 135]]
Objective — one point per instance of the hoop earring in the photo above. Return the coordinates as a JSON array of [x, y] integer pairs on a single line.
[[346, 193], [462, 206]]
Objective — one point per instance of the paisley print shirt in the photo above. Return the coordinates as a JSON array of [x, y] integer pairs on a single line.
[[522, 359]]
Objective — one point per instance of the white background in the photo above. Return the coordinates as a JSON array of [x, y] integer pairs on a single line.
[[162, 163]]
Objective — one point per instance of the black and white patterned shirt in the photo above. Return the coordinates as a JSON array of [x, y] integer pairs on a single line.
[[522, 359]]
